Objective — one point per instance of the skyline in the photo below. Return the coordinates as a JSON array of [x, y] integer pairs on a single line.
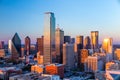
[[26, 17]]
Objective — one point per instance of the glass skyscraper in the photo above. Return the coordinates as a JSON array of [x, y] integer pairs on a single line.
[[49, 37]]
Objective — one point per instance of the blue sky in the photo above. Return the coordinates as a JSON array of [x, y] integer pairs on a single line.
[[76, 17]]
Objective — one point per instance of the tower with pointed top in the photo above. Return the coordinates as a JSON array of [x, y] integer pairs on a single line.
[[16, 47], [27, 45]]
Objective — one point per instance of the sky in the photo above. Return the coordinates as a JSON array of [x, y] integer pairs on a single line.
[[75, 17]]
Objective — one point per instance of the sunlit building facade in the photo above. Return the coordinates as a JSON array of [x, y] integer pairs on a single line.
[[94, 40], [117, 54], [59, 40], [49, 37], [40, 43], [87, 43], [107, 45]]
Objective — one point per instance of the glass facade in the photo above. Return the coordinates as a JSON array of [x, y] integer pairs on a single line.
[[49, 36]]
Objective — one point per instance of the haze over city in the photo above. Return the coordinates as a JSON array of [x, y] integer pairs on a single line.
[[75, 17]]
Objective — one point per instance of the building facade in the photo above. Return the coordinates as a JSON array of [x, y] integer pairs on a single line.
[[49, 37]]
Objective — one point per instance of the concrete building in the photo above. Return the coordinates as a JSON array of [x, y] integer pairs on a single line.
[[59, 41], [39, 58], [68, 55], [40, 44], [117, 54], [82, 56], [2, 53], [94, 63], [55, 69], [49, 37]]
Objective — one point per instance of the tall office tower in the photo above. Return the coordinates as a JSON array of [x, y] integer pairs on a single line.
[[1, 44], [15, 45], [67, 39], [94, 40], [79, 42], [49, 37], [10, 46], [107, 45], [59, 40], [68, 55], [87, 44], [27, 45], [72, 40], [82, 56], [117, 54], [40, 43]]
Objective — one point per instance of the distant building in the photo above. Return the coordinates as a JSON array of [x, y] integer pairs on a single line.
[[82, 56], [37, 68], [59, 40], [113, 65], [39, 58], [27, 45], [79, 42], [15, 47], [94, 40], [87, 43], [2, 53], [117, 54], [67, 39], [2, 44], [68, 55], [40, 44], [94, 63], [107, 45], [49, 37], [72, 40], [55, 69]]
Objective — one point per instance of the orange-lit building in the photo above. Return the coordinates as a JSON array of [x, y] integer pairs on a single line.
[[55, 69], [117, 54], [39, 58], [40, 44], [37, 68]]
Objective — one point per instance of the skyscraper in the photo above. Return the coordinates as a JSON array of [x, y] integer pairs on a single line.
[[107, 45], [59, 40], [68, 56], [1, 44], [94, 40], [67, 39], [15, 47], [87, 44], [27, 45], [40, 42], [49, 37]]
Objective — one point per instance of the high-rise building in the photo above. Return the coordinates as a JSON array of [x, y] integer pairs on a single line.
[[107, 45], [15, 45], [67, 39], [82, 56], [1, 44], [79, 42], [59, 40], [94, 40], [68, 56], [117, 54], [49, 37], [55, 69], [40, 42], [27, 45], [72, 40], [87, 44]]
